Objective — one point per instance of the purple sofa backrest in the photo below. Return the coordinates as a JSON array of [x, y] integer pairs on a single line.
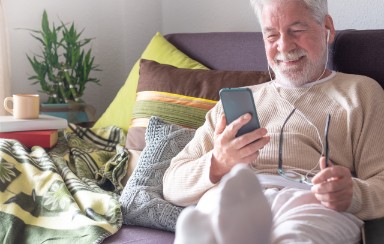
[[360, 52], [354, 51], [223, 50]]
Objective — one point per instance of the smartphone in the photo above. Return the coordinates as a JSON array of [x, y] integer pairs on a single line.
[[237, 102]]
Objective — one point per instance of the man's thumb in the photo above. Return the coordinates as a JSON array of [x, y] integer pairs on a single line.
[[221, 124], [322, 163]]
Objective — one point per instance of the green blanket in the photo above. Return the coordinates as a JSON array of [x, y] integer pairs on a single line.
[[68, 194]]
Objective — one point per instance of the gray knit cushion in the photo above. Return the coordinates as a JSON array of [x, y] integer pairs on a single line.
[[142, 201]]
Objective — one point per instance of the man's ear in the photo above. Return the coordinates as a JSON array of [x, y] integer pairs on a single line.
[[330, 29]]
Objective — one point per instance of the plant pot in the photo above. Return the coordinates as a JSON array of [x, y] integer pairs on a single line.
[[73, 112]]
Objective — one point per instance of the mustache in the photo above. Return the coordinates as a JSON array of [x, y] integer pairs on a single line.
[[293, 55]]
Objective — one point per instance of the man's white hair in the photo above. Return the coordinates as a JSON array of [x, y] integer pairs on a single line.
[[319, 8]]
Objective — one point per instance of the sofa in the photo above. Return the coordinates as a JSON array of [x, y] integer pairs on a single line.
[[353, 51]]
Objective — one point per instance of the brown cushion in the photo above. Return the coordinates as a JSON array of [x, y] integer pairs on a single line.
[[180, 96], [195, 83]]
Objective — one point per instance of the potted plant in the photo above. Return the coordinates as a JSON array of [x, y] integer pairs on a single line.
[[64, 65]]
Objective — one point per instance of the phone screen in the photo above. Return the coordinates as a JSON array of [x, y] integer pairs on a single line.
[[237, 102]]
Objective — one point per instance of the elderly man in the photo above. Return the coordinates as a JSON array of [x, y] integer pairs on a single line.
[[294, 196]]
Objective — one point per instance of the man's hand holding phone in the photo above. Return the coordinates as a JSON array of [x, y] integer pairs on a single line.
[[230, 147]]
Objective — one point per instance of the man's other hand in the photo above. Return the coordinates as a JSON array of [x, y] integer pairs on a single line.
[[333, 186]]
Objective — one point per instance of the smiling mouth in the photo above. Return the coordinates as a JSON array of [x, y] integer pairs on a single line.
[[289, 62]]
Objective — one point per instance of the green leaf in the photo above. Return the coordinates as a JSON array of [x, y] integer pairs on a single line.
[[63, 58], [45, 23]]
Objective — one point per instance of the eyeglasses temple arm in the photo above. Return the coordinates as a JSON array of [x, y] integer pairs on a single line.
[[326, 144]]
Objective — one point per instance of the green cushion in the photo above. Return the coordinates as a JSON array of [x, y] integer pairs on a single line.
[[119, 112]]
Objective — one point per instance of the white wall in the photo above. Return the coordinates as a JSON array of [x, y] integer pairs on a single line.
[[207, 15], [122, 29], [236, 15], [357, 14]]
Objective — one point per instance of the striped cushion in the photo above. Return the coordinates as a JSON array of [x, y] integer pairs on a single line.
[[173, 108], [181, 96]]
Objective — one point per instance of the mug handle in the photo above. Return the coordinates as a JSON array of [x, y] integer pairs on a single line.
[[6, 100]]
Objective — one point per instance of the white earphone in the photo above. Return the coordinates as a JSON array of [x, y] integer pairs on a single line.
[[328, 33]]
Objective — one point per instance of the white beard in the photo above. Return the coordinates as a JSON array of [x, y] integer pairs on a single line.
[[311, 71]]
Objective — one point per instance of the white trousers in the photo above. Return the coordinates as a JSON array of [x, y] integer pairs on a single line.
[[298, 217]]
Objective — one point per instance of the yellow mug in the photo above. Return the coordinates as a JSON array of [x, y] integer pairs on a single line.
[[24, 106]]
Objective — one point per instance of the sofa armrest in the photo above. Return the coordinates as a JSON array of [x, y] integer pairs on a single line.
[[372, 232]]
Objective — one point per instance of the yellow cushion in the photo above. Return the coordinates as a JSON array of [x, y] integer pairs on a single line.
[[119, 112]]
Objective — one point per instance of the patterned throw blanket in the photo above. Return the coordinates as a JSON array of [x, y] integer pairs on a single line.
[[68, 194]]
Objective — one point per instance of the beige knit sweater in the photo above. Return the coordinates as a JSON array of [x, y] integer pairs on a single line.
[[356, 139]]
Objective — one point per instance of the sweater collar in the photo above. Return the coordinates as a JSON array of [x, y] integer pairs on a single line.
[[307, 85]]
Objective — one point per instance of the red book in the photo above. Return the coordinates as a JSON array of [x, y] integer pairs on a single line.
[[42, 138]]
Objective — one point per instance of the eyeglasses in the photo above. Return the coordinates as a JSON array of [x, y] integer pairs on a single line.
[[293, 175]]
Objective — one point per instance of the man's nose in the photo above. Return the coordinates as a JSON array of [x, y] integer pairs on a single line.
[[286, 44]]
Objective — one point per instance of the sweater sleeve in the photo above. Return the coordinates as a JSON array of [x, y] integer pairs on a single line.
[[187, 178], [368, 142]]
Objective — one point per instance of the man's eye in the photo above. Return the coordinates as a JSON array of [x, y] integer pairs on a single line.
[[271, 37]]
